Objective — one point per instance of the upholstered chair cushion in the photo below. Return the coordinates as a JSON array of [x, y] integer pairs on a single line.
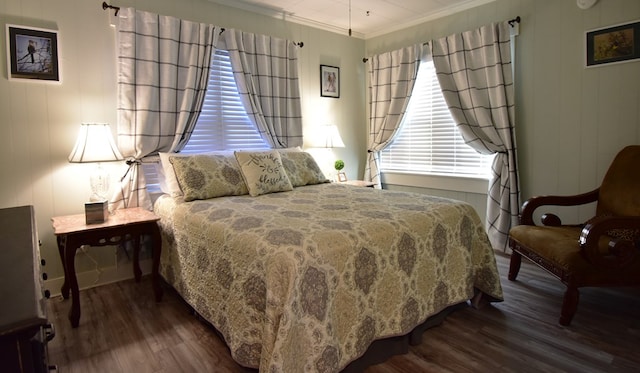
[[560, 245]]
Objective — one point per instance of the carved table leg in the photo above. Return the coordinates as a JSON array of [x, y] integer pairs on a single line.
[[71, 280], [64, 290], [137, 273], [157, 250]]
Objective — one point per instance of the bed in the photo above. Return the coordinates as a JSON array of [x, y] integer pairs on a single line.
[[305, 277]]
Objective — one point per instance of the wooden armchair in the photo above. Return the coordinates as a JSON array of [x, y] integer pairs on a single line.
[[605, 251]]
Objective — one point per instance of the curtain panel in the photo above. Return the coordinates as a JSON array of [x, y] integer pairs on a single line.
[[266, 73], [163, 71], [392, 76], [475, 72]]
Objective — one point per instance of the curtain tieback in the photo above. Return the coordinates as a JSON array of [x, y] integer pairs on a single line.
[[132, 163]]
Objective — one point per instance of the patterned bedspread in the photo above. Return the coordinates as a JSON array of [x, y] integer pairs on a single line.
[[304, 281]]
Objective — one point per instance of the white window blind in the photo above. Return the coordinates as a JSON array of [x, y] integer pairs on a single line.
[[428, 141], [223, 123]]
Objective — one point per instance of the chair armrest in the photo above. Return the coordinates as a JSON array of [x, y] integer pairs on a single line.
[[621, 251], [526, 217]]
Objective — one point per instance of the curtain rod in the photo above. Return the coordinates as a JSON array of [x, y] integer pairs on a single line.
[[511, 22], [299, 44], [106, 6]]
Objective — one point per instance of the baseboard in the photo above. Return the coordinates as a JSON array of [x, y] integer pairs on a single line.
[[93, 278]]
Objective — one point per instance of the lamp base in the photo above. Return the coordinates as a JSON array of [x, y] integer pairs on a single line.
[[96, 212]]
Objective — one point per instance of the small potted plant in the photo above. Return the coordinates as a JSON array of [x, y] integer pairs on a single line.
[[339, 165]]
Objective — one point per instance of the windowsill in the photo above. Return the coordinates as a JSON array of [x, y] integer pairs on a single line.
[[477, 185]]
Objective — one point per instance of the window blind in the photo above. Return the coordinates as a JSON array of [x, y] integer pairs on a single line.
[[428, 141], [223, 123]]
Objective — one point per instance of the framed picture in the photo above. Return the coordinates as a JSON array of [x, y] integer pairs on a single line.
[[32, 53], [329, 81], [619, 43]]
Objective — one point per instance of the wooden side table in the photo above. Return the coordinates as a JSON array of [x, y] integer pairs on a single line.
[[72, 232]]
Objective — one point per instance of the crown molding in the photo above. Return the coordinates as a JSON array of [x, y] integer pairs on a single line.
[[418, 21], [281, 14]]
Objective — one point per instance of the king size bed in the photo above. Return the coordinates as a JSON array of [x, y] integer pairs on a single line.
[[305, 276]]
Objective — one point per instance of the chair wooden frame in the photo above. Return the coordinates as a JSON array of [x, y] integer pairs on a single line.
[[620, 254]]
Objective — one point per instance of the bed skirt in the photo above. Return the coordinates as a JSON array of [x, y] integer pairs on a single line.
[[381, 350]]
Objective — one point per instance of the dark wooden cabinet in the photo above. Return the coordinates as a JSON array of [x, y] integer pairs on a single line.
[[24, 329]]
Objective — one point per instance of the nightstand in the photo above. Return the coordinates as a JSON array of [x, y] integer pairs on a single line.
[[126, 224], [360, 183]]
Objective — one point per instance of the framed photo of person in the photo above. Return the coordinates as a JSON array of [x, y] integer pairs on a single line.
[[32, 54], [329, 81]]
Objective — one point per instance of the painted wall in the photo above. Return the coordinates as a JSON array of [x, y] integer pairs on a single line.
[[570, 121], [39, 121]]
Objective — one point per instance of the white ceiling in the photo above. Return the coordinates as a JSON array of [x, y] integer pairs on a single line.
[[369, 18]]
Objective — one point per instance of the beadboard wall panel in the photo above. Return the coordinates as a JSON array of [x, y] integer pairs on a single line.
[[39, 121], [570, 120]]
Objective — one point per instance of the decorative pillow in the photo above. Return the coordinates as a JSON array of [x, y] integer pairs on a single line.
[[302, 169], [629, 234], [168, 182], [204, 176], [263, 172]]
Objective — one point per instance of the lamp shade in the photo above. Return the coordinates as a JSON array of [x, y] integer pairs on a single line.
[[330, 137], [95, 144]]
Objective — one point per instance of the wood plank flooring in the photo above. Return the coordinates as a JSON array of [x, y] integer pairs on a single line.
[[123, 330]]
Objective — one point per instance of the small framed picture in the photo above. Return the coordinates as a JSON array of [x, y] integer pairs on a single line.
[[342, 176], [329, 81], [32, 53], [614, 44]]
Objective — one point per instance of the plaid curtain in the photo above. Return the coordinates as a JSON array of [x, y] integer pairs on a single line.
[[266, 73], [163, 71], [392, 76], [475, 72]]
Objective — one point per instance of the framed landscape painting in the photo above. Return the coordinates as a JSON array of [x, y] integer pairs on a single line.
[[32, 54], [620, 43]]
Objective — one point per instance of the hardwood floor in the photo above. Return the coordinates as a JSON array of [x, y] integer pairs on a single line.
[[122, 329]]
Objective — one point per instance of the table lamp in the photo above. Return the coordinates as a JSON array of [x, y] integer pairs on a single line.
[[95, 145], [329, 137]]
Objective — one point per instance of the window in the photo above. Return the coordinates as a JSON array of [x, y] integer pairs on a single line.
[[223, 123], [428, 141]]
